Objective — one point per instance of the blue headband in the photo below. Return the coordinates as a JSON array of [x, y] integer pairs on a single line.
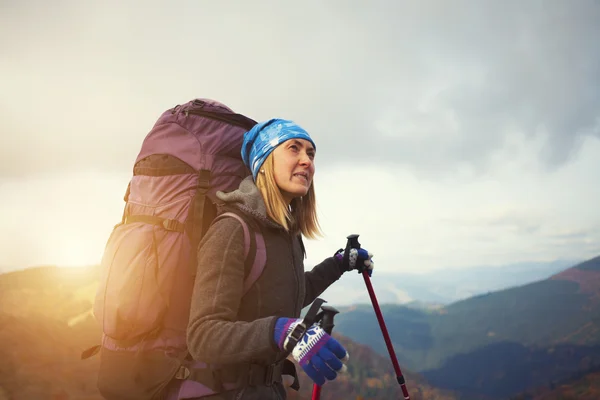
[[262, 139]]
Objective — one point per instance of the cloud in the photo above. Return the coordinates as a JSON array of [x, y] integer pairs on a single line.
[[411, 224], [448, 134], [513, 214], [431, 86]]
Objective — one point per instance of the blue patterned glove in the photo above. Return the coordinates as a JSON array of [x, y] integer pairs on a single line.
[[319, 354], [359, 259]]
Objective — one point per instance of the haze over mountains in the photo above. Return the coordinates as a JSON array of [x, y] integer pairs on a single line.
[[441, 286]]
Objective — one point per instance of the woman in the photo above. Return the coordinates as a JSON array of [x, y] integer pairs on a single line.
[[245, 335]]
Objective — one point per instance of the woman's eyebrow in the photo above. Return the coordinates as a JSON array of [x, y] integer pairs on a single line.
[[309, 147]]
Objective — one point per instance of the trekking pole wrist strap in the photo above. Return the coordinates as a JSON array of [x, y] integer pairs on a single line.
[[294, 337], [300, 329]]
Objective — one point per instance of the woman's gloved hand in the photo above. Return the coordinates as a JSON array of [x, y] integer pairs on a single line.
[[320, 355], [359, 259]]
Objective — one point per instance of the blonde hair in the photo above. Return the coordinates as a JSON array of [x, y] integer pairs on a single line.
[[302, 211]]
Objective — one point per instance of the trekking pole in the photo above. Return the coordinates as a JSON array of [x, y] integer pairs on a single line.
[[327, 324], [353, 243]]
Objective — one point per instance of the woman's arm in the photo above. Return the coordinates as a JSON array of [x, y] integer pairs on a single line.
[[330, 270], [320, 278]]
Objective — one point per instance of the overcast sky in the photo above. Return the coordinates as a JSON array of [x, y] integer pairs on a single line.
[[449, 133]]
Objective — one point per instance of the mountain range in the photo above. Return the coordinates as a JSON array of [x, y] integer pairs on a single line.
[[536, 340], [46, 322], [441, 286], [499, 344]]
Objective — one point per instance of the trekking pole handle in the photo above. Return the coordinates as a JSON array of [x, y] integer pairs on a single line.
[[352, 242], [327, 319]]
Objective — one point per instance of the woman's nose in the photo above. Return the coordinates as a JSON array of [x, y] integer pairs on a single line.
[[305, 159]]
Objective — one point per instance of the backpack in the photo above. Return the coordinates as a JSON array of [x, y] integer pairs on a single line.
[[149, 262]]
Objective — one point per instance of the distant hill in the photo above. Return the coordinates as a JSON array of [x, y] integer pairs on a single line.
[[40, 351], [370, 376], [582, 386], [496, 344], [442, 286], [45, 324]]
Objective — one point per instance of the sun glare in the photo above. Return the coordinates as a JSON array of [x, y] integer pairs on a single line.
[[74, 252]]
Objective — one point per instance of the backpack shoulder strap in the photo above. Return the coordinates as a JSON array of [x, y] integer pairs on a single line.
[[260, 261], [260, 256]]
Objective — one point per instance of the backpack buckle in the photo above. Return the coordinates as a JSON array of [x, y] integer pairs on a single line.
[[182, 373], [274, 372], [204, 179], [269, 373], [261, 375], [173, 225]]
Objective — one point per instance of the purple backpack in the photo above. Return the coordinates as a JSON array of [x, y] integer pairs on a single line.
[[149, 263]]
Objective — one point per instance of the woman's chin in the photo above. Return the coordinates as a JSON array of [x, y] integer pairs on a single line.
[[294, 193]]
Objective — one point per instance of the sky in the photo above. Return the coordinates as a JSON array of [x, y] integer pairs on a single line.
[[449, 134]]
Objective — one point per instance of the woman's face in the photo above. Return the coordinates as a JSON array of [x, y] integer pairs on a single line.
[[294, 167]]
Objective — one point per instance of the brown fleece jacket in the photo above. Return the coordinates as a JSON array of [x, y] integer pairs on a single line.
[[228, 329]]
